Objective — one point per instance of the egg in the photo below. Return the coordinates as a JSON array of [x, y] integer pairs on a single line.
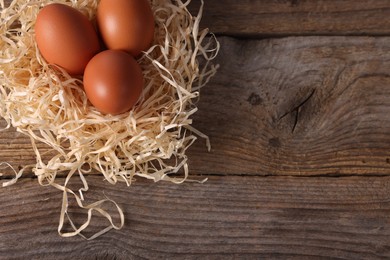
[[66, 37], [126, 25], [113, 81]]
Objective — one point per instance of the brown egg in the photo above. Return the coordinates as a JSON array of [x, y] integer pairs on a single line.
[[66, 37], [113, 81], [126, 25]]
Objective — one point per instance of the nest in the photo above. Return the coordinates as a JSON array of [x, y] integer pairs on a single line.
[[48, 105]]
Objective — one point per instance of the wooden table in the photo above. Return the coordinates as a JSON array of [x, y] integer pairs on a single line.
[[299, 121]]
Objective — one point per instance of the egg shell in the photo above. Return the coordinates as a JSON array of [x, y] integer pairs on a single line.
[[66, 37], [113, 81], [126, 25]]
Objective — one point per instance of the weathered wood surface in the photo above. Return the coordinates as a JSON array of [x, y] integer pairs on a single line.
[[310, 113], [295, 17], [298, 106], [225, 218]]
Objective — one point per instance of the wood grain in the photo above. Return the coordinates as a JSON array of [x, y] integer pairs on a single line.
[[224, 218], [298, 106], [269, 18]]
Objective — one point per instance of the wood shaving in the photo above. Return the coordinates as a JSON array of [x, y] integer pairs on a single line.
[[43, 102]]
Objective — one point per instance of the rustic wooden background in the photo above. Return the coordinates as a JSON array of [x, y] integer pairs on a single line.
[[299, 118]]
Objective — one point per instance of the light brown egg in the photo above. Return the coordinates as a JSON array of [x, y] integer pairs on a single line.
[[126, 25], [113, 81], [66, 37]]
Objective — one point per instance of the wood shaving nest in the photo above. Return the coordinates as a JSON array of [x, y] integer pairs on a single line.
[[48, 105]]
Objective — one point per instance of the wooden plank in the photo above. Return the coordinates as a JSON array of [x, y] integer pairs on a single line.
[[265, 18], [226, 217], [340, 87], [294, 17], [298, 106]]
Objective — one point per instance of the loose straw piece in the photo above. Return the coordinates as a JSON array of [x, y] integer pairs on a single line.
[[45, 103]]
